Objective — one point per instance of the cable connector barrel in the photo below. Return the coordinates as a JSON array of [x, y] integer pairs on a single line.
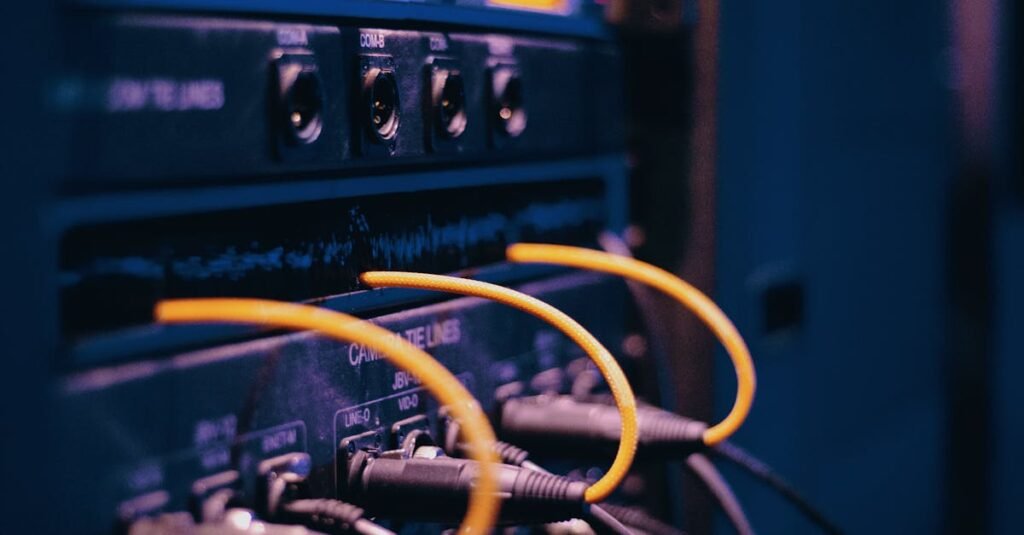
[[556, 424], [437, 490]]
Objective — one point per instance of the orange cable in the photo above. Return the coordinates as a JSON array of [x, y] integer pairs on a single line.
[[484, 502], [605, 362], [681, 291]]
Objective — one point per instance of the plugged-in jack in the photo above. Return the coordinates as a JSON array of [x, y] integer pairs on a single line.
[[286, 499], [432, 487], [553, 424]]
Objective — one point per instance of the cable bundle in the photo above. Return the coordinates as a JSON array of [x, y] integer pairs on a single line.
[[424, 487]]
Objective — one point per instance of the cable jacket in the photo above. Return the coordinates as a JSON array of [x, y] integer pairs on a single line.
[[609, 368], [680, 290], [604, 523], [644, 299], [639, 520], [332, 516], [600, 519], [762, 471], [704, 469], [484, 501]]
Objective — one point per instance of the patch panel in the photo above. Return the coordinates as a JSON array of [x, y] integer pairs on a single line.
[[212, 153], [226, 410], [339, 99]]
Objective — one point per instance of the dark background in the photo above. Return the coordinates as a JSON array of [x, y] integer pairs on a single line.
[[853, 170], [870, 243]]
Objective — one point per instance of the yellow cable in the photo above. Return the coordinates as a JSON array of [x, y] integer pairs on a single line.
[[484, 502], [679, 289], [610, 369]]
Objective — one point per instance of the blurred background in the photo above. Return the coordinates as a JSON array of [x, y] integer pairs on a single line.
[[859, 164]]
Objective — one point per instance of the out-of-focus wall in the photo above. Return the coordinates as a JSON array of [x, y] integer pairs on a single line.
[[836, 158]]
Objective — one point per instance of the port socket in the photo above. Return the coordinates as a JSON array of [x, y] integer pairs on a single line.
[[448, 100], [300, 99], [352, 446], [380, 92], [213, 495], [507, 101], [281, 480], [409, 427]]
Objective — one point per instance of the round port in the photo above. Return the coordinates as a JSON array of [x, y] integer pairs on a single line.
[[302, 102], [381, 90], [509, 110], [449, 94]]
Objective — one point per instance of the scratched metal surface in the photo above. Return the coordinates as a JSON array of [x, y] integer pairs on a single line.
[[112, 275]]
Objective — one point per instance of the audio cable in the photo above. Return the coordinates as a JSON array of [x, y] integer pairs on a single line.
[[705, 470], [687, 295], [761, 471], [622, 393], [601, 521], [666, 436], [483, 500], [329, 516], [548, 423], [640, 521], [699, 464], [285, 499], [644, 299], [429, 486], [613, 244]]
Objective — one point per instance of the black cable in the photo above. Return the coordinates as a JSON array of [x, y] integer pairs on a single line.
[[705, 470], [331, 516], [763, 472], [645, 301], [286, 501], [640, 521], [553, 423], [544, 420], [600, 520], [432, 487], [657, 329], [604, 522]]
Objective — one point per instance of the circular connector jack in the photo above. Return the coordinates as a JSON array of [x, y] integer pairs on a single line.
[[449, 99], [302, 102], [508, 106], [382, 112]]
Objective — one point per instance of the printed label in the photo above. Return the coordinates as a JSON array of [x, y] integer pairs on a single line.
[[371, 40], [427, 336], [164, 95]]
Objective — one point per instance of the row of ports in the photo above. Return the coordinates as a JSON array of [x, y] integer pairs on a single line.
[[301, 100], [212, 498]]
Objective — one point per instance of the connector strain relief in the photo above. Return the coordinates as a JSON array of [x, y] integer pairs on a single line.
[[324, 515], [671, 429], [510, 454], [540, 487]]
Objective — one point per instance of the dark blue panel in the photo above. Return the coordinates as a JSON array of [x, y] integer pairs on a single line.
[[1008, 366], [834, 166]]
